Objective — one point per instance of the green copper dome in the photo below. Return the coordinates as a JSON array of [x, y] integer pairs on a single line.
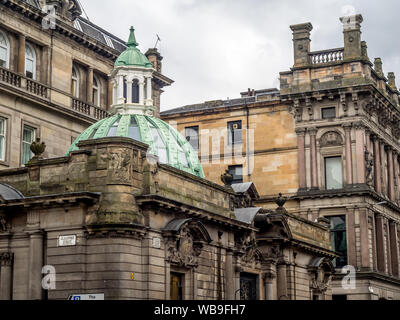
[[164, 141], [132, 55]]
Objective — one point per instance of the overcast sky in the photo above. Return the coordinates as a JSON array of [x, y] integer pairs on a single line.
[[215, 49]]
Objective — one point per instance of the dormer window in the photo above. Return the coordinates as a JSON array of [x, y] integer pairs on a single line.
[[4, 50], [30, 62]]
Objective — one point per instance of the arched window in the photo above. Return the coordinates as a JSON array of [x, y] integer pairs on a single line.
[[135, 91], [30, 62], [96, 91], [75, 82], [4, 50]]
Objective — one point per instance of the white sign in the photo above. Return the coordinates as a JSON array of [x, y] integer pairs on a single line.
[[156, 243], [94, 296], [67, 241]]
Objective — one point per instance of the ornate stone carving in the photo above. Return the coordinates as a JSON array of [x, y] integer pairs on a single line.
[[226, 178], [320, 276], [37, 149], [3, 223], [120, 166], [369, 166], [184, 251], [331, 138], [6, 258], [247, 247], [67, 8]]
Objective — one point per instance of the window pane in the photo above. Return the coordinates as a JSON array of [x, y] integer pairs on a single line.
[[2, 148], [234, 132], [95, 97], [134, 132], [333, 173], [237, 173], [192, 136], [3, 56], [135, 91], [339, 240], [328, 113], [27, 138]]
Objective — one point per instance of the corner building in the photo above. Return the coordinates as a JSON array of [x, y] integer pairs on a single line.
[[328, 140]]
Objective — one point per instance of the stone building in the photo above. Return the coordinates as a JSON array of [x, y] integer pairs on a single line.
[[55, 79], [329, 140], [127, 213]]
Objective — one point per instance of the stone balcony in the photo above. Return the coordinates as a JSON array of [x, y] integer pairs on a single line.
[[51, 97]]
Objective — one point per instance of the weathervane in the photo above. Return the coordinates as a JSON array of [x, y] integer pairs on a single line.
[[158, 40]]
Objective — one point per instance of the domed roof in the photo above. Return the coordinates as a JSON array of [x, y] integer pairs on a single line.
[[132, 55], [164, 141]]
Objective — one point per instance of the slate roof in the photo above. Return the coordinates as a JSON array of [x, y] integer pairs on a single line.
[[246, 215]]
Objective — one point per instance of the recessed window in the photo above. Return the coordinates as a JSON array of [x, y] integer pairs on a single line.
[[96, 91], [234, 132], [75, 82], [237, 173], [333, 173], [30, 62], [192, 136], [3, 139], [4, 50], [176, 286], [28, 136], [135, 91], [328, 113], [339, 239]]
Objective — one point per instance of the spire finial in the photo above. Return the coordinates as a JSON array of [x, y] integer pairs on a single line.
[[132, 40]]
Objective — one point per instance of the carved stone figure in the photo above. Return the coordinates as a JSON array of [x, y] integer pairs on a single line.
[[369, 165], [331, 138], [119, 166], [66, 8]]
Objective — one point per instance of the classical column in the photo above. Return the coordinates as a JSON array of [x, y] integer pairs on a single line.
[[380, 246], [391, 174], [120, 88], [301, 154], [148, 89], [377, 166], [364, 243], [360, 153], [89, 87], [129, 90], [313, 150], [35, 265], [394, 247], [349, 165], [21, 54], [141, 92], [383, 168], [282, 281], [388, 249], [6, 263], [229, 276]]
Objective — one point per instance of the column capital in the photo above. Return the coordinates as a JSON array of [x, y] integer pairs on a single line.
[[300, 131], [312, 131], [358, 125], [388, 148], [347, 126], [6, 258]]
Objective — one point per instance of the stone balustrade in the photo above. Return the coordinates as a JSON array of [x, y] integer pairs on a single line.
[[327, 56], [42, 91]]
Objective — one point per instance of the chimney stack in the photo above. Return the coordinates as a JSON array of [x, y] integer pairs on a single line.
[[301, 44], [352, 36], [392, 80], [155, 59], [378, 67]]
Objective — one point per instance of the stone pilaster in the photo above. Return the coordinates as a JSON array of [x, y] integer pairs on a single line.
[[390, 174], [383, 168], [89, 95], [394, 247], [360, 153], [377, 165], [282, 284], [313, 158], [380, 246], [35, 265], [301, 158], [229, 274], [21, 53], [349, 165]]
